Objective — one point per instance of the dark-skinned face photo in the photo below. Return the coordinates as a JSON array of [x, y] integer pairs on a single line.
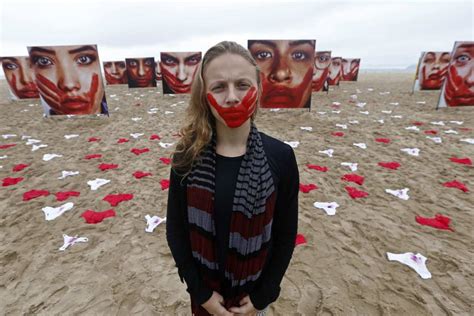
[[141, 72], [287, 71]]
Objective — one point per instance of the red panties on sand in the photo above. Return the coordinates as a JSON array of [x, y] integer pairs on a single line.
[[93, 217], [115, 199], [439, 221], [355, 194], [32, 194]]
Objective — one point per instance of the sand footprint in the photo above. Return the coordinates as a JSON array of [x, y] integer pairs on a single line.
[[301, 289]]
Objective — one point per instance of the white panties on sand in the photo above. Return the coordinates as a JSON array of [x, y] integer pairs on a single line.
[[69, 241], [329, 208], [352, 165], [416, 262], [328, 152], [153, 222], [97, 183], [51, 213], [402, 193]]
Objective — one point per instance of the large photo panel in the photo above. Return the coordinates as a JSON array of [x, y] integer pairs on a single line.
[[141, 72], [20, 77], [287, 68], [431, 71], [115, 72], [458, 87], [69, 79], [335, 71], [178, 70], [350, 69], [322, 61]]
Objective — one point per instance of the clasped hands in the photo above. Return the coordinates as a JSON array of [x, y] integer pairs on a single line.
[[215, 306]]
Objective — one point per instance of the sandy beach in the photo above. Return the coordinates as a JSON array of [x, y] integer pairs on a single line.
[[342, 269]]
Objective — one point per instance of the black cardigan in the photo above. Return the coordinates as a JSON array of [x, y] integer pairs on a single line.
[[284, 168]]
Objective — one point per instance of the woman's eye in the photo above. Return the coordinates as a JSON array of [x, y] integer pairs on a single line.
[[264, 55], [11, 66], [168, 61], [299, 56], [244, 86], [132, 64], [217, 88], [148, 62], [193, 61], [84, 60], [43, 61], [463, 58], [445, 60]]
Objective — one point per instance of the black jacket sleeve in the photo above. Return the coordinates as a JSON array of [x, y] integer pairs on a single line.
[[177, 235], [284, 230]]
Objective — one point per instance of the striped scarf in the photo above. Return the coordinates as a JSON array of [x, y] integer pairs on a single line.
[[250, 224]]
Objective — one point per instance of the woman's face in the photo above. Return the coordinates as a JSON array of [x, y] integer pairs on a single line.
[[334, 70], [20, 77], [459, 89], [115, 72], [231, 89], [321, 69], [350, 69], [434, 66], [178, 70], [287, 67], [141, 72], [68, 78]]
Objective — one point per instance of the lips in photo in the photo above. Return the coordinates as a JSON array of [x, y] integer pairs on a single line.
[[435, 76], [75, 103], [142, 82], [65, 103], [180, 88], [279, 96], [173, 83], [114, 79], [456, 91], [29, 92]]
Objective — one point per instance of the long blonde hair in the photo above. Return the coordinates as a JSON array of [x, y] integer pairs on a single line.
[[197, 132]]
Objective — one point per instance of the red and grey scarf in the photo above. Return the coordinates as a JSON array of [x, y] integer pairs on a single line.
[[250, 224]]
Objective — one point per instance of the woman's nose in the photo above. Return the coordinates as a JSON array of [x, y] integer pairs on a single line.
[[280, 72], [182, 76]]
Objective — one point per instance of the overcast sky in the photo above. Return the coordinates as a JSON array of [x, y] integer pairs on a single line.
[[384, 34]]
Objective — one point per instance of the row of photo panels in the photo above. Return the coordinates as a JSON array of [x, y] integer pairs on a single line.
[[68, 79]]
